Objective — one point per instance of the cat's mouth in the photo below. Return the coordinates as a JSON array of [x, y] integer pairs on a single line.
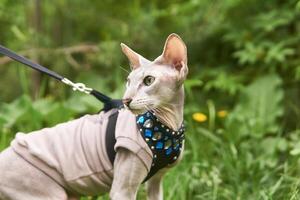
[[138, 106], [137, 110]]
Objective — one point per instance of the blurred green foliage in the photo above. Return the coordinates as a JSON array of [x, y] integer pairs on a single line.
[[243, 59]]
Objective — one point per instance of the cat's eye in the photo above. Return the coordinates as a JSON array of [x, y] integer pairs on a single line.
[[148, 80]]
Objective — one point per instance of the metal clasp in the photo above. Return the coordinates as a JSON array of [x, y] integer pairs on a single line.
[[77, 86]]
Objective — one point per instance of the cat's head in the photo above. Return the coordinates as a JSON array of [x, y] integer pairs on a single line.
[[152, 84]]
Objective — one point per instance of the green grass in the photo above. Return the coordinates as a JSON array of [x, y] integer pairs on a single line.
[[214, 166]]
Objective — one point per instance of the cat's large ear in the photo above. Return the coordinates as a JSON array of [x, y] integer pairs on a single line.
[[175, 54], [135, 59]]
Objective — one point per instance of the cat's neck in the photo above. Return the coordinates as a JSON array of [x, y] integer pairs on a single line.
[[171, 114]]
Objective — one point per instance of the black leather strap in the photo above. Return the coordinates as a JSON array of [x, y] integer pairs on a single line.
[[110, 136], [25, 61]]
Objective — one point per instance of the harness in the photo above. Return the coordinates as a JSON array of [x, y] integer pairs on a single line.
[[165, 143]]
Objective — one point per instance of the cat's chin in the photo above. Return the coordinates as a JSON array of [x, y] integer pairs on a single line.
[[136, 111]]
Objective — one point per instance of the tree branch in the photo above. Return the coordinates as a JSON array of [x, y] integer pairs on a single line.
[[67, 51]]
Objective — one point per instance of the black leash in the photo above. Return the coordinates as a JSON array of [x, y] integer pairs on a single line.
[[109, 103]]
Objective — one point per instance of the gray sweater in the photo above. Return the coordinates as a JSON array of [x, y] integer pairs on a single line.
[[74, 153]]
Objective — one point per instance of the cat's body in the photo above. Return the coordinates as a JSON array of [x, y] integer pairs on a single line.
[[156, 86]]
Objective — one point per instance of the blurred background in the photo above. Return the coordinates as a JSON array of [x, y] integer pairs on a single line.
[[242, 94]]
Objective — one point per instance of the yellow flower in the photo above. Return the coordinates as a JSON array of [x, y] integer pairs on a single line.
[[199, 117], [222, 113]]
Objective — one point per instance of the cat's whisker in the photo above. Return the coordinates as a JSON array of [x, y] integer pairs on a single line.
[[124, 69]]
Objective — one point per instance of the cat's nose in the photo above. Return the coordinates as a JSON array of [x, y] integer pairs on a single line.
[[127, 101]]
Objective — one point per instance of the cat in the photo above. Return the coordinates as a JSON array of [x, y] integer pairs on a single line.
[[63, 162]]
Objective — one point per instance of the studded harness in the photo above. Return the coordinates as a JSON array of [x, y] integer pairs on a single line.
[[165, 143]]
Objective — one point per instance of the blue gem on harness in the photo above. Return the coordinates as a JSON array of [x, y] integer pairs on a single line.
[[159, 145], [141, 120], [169, 151], [148, 133]]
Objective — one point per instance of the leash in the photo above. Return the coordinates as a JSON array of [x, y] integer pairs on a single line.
[[108, 102]]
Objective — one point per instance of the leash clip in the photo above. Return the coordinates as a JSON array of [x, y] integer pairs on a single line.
[[77, 86]]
